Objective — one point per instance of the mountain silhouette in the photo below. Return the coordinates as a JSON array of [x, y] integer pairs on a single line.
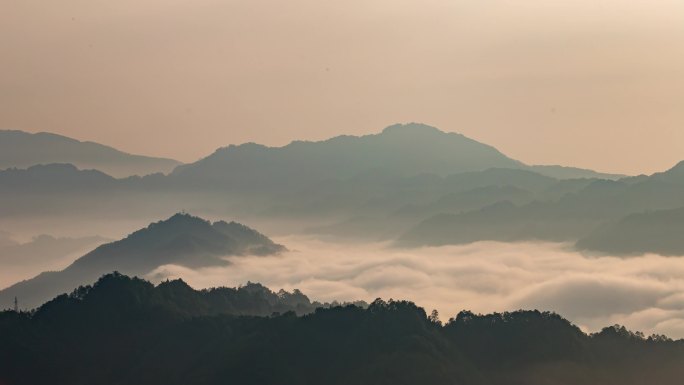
[[658, 232], [601, 214], [53, 178], [673, 175], [372, 187], [177, 297], [182, 240], [22, 149], [125, 330], [399, 150]]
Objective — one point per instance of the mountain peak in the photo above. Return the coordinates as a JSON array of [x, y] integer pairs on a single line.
[[410, 128], [182, 217], [177, 224], [182, 239], [399, 150], [185, 234]]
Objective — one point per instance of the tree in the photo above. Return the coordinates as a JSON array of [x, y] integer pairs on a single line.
[[434, 317]]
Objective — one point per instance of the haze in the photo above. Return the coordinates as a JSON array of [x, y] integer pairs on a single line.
[[583, 83]]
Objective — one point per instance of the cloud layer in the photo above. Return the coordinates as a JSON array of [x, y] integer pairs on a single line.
[[644, 293]]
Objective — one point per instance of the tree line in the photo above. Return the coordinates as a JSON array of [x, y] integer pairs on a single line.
[[124, 330]]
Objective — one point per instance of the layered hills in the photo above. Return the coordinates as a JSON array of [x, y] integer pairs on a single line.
[[182, 240], [410, 183], [21, 149]]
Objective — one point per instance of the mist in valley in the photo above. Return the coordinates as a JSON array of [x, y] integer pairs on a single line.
[[643, 293], [307, 192]]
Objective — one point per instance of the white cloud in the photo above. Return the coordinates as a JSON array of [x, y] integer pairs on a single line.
[[644, 293]]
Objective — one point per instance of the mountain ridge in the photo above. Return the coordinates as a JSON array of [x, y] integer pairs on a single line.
[[182, 240], [400, 150], [20, 149]]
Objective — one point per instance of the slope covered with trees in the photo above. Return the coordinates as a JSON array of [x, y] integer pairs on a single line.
[[126, 331]]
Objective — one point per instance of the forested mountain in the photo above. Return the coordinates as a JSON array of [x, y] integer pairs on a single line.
[[124, 330], [22, 149], [180, 240]]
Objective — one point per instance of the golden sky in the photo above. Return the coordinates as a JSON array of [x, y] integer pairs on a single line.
[[590, 83]]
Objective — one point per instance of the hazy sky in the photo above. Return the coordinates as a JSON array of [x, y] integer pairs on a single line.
[[592, 83]]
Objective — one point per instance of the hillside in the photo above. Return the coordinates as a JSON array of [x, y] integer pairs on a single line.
[[399, 150], [118, 331], [22, 149], [604, 215], [180, 240], [658, 232], [53, 178]]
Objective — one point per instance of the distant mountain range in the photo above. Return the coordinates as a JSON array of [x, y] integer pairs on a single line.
[[629, 216], [400, 150], [412, 184], [302, 179], [660, 232], [22, 149], [181, 240]]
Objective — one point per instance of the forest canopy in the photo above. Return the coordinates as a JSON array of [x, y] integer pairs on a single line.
[[126, 330]]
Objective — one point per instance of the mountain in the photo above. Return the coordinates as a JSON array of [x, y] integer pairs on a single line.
[[302, 179], [565, 172], [22, 149], [53, 178], [372, 187], [501, 221], [181, 240], [64, 192], [554, 221], [673, 175], [601, 214], [127, 331], [395, 209], [179, 299], [658, 232], [399, 150]]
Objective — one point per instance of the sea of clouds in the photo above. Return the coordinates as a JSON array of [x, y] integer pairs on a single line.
[[644, 293]]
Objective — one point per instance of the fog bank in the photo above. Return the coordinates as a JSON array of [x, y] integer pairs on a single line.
[[644, 293]]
